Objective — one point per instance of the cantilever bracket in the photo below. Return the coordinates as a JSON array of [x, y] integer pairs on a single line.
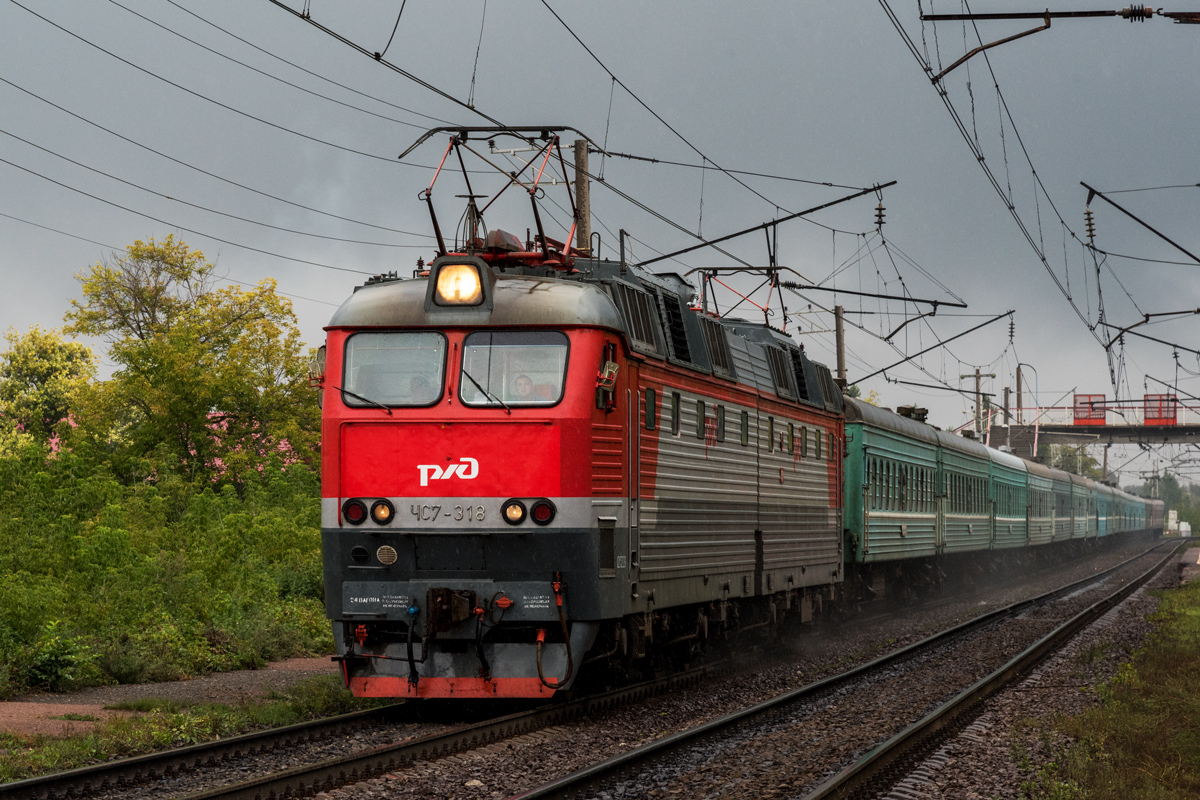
[[981, 48]]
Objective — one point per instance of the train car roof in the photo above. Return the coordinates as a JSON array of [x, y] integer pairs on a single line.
[[859, 411], [962, 444], [1041, 470], [521, 300], [1007, 460]]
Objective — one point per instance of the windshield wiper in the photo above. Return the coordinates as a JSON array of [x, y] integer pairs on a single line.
[[375, 403], [486, 393]]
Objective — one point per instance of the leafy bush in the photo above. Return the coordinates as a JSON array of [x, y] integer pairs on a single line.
[[102, 582]]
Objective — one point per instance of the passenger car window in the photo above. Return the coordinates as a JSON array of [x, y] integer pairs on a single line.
[[518, 368], [396, 368]]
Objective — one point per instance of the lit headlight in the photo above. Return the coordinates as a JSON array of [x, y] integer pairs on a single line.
[[459, 285]]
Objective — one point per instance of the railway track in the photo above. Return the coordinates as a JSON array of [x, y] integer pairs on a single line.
[[112, 778], [679, 759]]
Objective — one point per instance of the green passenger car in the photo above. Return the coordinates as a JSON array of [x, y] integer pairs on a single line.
[[966, 517], [1041, 503], [1010, 500], [891, 474]]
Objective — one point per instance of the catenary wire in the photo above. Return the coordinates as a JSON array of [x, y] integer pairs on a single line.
[[307, 71], [200, 207], [180, 227], [207, 99], [117, 249], [653, 113], [204, 171], [265, 73]]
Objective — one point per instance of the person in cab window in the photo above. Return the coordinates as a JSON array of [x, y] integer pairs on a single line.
[[524, 386]]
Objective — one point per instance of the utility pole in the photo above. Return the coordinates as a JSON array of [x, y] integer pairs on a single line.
[[583, 204], [1007, 425], [1019, 402], [978, 397], [840, 337]]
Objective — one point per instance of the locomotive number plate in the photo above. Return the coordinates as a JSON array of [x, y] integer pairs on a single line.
[[427, 513]]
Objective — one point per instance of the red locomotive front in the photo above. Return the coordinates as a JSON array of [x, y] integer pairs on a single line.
[[460, 467]]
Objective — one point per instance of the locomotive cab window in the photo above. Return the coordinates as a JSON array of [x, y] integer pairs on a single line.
[[518, 368], [396, 368]]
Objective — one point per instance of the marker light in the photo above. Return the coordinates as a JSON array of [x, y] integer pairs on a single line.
[[542, 512], [354, 512], [459, 285], [514, 512], [382, 512]]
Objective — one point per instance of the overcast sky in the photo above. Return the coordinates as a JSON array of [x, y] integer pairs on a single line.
[[822, 92]]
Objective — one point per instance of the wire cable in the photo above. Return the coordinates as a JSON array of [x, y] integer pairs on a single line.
[[306, 71], [200, 207], [264, 73], [395, 28], [652, 112], [201, 170], [207, 99], [117, 249], [180, 227]]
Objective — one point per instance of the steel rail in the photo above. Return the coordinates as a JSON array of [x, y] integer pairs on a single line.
[[327, 775], [598, 776], [871, 769], [139, 769]]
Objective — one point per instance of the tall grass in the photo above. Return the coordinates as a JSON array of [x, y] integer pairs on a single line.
[[102, 582], [1143, 740]]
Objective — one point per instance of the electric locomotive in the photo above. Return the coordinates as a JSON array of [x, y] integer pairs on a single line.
[[527, 467]]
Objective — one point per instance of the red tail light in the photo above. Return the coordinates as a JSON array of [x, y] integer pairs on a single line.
[[542, 512], [354, 512]]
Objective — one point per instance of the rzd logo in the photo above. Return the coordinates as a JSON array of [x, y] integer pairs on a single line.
[[467, 470]]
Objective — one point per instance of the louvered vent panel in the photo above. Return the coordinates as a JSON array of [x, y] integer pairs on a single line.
[[714, 337], [780, 372], [675, 330]]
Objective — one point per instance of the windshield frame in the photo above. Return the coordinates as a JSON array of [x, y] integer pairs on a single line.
[[376, 402], [505, 401]]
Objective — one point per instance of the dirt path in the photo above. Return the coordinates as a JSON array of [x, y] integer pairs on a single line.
[[35, 714]]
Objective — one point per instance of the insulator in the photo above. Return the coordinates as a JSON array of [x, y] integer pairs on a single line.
[[1090, 222], [1012, 328], [879, 221], [1137, 13]]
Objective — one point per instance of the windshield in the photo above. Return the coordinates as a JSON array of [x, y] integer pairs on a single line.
[[517, 368], [394, 369]]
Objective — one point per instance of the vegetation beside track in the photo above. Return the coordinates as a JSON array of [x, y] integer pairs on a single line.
[[163, 521], [1143, 738], [161, 724]]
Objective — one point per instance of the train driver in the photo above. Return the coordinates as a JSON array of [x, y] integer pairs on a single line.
[[524, 387]]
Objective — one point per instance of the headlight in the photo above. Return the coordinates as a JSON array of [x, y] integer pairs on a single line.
[[382, 512], [459, 285], [514, 512]]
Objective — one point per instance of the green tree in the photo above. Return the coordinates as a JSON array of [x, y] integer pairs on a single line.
[[40, 374], [211, 381]]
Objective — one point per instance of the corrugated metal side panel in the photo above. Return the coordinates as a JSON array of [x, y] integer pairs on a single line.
[[887, 540], [607, 459], [702, 518], [799, 525], [967, 532]]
